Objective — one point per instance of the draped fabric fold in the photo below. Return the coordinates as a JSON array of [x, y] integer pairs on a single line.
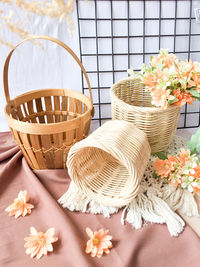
[[150, 246]]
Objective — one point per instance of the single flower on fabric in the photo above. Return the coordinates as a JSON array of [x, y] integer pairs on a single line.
[[39, 243], [98, 243], [163, 168], [20, 206]]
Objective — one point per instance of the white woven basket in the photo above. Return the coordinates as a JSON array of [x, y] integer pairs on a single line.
[[109, 164], [130, 102]]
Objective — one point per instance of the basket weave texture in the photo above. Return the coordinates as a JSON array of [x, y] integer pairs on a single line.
[[109, 164], [130, 102], [46, 123]]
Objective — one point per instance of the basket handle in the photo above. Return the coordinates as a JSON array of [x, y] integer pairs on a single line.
[[44, 37]]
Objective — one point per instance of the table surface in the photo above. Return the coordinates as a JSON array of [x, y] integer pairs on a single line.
[[151, 246]]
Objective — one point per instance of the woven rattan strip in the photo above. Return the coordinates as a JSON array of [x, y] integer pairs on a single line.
[[130, 102]]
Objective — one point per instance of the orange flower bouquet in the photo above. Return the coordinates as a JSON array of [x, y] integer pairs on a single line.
[[171, 81], [182, 170]]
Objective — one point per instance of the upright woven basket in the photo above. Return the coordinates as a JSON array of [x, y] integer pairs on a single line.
[[108, 165], [130, 102], [46, 123]]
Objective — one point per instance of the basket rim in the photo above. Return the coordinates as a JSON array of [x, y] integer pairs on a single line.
[[105, 199], [49, 128], [78, 147], [139, 108]]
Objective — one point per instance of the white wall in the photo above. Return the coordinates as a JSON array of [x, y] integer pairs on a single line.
[[32, 68]]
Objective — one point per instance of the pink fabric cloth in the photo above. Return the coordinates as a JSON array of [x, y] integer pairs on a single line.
[[152, 246]]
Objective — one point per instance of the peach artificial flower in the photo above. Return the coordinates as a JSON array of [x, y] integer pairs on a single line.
[[163, 168], [186, 68], [20, 206], [166, 59], [173, 181], [173, 159], [195, 82], [183, 157], [98, 243], [197, 172], [39, 243], [151, 80], [183, 98], [160, 97]]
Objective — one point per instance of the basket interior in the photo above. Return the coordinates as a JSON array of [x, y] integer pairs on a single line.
[[99, 172], [132, 92], [48, 109]]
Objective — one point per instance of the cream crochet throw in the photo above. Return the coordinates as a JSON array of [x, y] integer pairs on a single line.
[[157, 201]]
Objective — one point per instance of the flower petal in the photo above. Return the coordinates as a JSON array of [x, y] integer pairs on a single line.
[[33, 231], [18, 213], [107, 251], [107, 238], [94, 251], [89, 232], [50, 232], [39, 254], [99, 252], [35, 252], [49, 247], [89, 246]]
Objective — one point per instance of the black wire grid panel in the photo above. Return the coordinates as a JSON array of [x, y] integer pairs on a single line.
[[115, 35]]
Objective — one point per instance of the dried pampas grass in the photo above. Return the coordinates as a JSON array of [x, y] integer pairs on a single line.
[[55, 9]]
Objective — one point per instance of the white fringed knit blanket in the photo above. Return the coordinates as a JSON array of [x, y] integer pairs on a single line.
[[156, 202]]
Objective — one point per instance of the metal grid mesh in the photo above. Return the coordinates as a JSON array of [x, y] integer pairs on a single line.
[[115, 35]]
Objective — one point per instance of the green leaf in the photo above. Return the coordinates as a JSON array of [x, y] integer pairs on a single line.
[[194, 93], [161, 155], [154, 175], [159, 66], [170, 102], [194, 143], [175, 64]]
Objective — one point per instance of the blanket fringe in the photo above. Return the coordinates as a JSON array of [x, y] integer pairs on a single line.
[[75, 200], [180, 200], [146, 206], [152, 209]]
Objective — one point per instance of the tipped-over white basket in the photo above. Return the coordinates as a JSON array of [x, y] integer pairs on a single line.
[[109, 164]]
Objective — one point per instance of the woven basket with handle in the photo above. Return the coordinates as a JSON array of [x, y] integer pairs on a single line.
[[130, 102], [46, 123], [109, 164]]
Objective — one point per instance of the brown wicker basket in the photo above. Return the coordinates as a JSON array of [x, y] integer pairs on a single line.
[[109, 164], [46, 123], [130, 102]]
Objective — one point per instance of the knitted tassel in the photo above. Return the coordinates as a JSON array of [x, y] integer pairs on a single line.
[[75, 200]]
